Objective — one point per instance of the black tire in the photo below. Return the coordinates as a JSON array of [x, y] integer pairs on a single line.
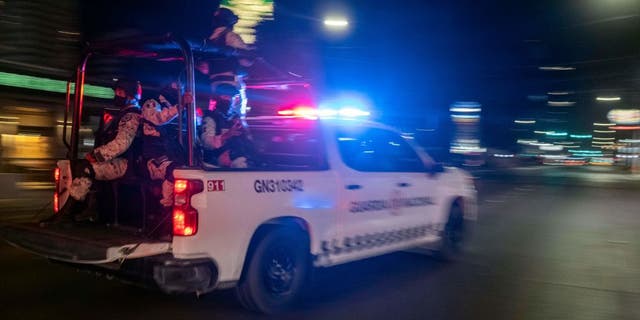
[[275, 276], [453, 236]]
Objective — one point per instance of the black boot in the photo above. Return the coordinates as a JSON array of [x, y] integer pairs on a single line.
[[67, 213], [79, 168]]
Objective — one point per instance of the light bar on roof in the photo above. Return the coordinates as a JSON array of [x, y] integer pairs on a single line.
[[313, 113]]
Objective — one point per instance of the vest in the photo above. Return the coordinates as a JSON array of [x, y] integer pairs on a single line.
[[221, 122], [164, 146]]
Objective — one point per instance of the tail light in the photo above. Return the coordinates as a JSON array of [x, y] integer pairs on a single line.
[[56, 199], [185, 217], [56, 202]]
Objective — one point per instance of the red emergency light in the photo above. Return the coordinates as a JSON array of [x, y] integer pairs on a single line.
[[300, 111]]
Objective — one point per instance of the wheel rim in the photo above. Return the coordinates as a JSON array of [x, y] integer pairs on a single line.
[[279, 271]]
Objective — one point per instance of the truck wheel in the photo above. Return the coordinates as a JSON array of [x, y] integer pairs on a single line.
[[277, 271], [453, 235]]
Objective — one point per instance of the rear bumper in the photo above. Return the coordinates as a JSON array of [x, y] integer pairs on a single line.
[[174, 276], [164, 272], [131, 258]]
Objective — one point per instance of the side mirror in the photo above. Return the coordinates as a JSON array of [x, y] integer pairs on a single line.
[[435, 168]]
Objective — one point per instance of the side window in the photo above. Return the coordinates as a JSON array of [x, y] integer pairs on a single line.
[[289, 149], [377, 150]]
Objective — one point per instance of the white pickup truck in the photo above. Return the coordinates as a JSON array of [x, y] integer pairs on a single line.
[[324, 192]]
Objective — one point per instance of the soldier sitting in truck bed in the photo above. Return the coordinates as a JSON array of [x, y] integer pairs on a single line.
[[225, 139], [131, 134]]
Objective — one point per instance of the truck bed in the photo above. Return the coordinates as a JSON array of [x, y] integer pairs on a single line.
[[81, 243]]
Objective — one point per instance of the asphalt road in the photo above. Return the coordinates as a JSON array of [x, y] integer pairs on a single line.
[[541, 250]]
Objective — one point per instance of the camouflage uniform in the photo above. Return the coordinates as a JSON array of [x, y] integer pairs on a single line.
[[112, 164], [220, 148], [159, 166], [225, 70], [109, 165]]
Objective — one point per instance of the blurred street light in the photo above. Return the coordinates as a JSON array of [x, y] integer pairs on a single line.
[[581, 136], [464, 109], [561, 103], [336, 23], [556, 68], [608, 98]]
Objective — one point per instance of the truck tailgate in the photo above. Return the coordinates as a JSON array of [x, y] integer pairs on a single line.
[[89, 244]]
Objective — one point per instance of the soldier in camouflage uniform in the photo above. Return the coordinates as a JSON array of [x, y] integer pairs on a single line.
[[224, 136], [227, 70], [110, 160]]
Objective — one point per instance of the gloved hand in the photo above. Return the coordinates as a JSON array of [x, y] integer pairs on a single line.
[[163, 101], [170, 93], [187, 98]]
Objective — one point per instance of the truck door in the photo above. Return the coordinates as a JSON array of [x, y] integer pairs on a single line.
[[378, 179], [418, 191]]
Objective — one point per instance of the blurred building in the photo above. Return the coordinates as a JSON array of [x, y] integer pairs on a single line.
[[39, 42], [466, 148], [250, 14], [39, 36]]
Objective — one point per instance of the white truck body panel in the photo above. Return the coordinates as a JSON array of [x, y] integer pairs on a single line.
[[349, 214]]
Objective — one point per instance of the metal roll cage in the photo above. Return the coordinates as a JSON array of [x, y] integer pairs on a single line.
[[169, 46]]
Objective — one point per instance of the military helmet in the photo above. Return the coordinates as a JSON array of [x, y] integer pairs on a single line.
[[224, 17]]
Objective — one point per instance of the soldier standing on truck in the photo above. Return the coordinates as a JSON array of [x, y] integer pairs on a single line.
[[227, 70], [224, 135], [132, 133]]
